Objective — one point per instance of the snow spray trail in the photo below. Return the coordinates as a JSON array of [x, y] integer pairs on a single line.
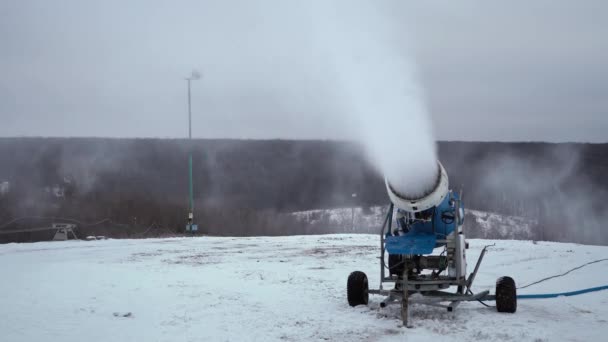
[[377, 84], [333, 68]]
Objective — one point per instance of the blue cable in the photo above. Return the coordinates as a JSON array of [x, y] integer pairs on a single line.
[[563, 294]]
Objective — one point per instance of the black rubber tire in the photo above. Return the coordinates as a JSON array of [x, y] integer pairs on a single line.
[[506, 295], [357, 289]]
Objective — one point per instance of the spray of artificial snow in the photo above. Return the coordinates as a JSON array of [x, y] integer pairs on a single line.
[[379, 92], [336, 68]]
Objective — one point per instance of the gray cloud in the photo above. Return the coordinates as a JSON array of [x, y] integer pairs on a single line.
[[491, 70]]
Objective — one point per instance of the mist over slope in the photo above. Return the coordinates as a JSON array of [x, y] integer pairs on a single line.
[[243, 186]]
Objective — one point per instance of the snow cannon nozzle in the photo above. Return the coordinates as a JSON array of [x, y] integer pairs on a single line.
[[420, 202]]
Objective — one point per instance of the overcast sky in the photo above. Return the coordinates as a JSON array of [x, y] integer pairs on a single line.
[[489, 70]]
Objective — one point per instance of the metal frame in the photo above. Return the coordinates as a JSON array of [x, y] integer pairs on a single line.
[[62, 231], [420, 290]]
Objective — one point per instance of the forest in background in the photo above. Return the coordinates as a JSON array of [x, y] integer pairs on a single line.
[[246, 187]]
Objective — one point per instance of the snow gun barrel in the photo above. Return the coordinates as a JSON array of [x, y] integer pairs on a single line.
[[428, 199]]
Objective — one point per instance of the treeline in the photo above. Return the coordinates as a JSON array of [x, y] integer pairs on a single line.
[[245, 187]]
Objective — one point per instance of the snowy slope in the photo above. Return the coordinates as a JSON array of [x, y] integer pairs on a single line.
[[493, 225], [274, 289], [479, 224], [346, 219]]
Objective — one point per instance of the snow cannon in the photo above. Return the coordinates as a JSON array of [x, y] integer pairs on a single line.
[[425, 220], [423, 253], [429, 198]]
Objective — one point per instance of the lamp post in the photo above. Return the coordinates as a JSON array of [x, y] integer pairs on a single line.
[[195, 75], [352, 217]]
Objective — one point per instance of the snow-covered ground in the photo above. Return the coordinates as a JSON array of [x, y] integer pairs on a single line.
[[355, 219], [275, 288]]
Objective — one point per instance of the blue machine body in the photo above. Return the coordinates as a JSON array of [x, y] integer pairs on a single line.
[[419, 236]]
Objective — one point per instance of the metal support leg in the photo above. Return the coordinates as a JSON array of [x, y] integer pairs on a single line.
[[385, 226], [472, 276], [405, 312]]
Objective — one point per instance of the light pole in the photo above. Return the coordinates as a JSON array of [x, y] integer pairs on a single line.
[[195, 75], [352, 217]]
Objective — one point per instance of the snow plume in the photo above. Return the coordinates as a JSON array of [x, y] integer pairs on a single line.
[[379, 92], [336, 68]]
